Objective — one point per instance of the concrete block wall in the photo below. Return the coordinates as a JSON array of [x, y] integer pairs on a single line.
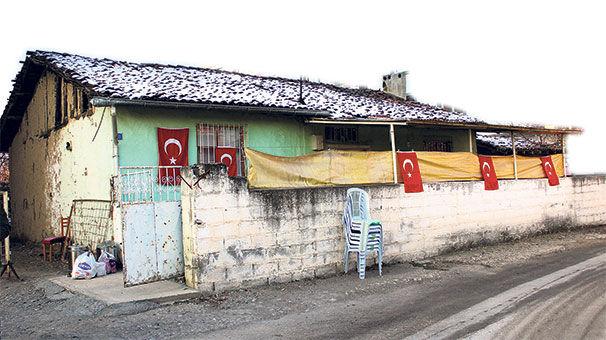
[[235, 238]]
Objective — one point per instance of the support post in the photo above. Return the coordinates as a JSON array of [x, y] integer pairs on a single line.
[[515, 156], [392, 137], [564, 153], [470, 141], [7, 251]]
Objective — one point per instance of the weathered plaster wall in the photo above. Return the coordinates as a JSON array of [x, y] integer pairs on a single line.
[[45, 175], [276, 135], [253, 237]]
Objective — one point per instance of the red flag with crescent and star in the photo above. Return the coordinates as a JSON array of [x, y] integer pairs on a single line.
[[227, 156], [409, 171], [488, 173], [550, 170], [172, 152]]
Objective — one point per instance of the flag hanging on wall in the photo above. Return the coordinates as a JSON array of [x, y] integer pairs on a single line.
[[227, 156], [488, 173], [409, 171], [550, 171], [172, 152]]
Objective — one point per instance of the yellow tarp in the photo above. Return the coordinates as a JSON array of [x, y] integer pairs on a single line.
[[464, 166], [324, 168], [337, 167]]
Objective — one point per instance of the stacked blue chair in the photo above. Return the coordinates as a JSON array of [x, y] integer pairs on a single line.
[[363, 234]]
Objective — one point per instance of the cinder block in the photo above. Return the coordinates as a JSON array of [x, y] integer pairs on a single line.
[[300, 240]]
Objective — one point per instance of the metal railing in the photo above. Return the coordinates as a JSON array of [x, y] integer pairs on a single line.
[[143, 184]]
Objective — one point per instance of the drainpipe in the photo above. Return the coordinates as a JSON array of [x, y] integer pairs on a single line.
[[392, 136], [115, 140], [515, 156]]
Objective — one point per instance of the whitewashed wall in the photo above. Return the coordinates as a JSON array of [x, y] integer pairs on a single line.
[[235, 238]]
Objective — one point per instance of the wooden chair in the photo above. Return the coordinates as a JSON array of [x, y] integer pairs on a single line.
[[52, 240]]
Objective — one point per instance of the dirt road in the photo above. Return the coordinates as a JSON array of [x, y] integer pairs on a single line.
[[407, 300]]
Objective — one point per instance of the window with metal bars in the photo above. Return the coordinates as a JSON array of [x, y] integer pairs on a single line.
[[211, 136], [437, 145]]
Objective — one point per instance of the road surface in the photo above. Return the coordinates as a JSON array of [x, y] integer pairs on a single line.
[[554, 298], [546, 287]]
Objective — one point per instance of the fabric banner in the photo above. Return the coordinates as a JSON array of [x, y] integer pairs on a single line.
[[227, 156], [338, 167], [409, 172], [549, 169], [488, 173], [324, 168], [172, 152], [463, 166]]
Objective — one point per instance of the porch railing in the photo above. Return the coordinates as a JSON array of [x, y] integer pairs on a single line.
[[144, 184]]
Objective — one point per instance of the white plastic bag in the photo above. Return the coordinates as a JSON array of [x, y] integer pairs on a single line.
[[84, 266], [109, 260], [100, 268]]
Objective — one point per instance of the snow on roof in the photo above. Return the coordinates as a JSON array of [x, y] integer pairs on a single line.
[[119, 79]]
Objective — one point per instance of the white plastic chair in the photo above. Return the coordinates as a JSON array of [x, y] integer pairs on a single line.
[[362, 234]]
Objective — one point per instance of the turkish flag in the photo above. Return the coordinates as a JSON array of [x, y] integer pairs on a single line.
[[172, 152], [409, 172], [550, 171], [488, 173], [227, 156]]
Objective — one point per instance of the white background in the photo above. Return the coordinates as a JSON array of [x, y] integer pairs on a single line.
[[517, 61]]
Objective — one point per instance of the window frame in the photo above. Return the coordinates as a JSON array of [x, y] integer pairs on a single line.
[[341, 135], [210, 136]]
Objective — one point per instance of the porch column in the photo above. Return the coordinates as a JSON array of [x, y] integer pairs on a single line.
[[515, 156], [392, 137]]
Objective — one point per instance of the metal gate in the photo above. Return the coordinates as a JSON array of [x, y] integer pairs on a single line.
[[150, 200]]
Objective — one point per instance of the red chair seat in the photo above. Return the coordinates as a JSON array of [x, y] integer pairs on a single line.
[[53, 239]]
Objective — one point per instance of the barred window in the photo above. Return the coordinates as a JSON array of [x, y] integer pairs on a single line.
[[210, 136], [437, 144], [341, 134]]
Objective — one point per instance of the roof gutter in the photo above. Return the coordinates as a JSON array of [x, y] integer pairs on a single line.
[[475, 126], [105, 101], [355, 122]]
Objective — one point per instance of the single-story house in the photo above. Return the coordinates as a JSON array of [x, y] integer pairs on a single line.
[[85, 128]]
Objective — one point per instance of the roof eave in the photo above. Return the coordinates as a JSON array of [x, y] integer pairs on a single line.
[[479, 126], [108, 101]]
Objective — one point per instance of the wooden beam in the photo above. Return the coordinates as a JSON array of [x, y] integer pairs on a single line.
[[515, 156], [470, 141], [564, 153], [392, 137]]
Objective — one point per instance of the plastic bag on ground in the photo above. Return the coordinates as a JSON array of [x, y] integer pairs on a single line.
[[100, 268], [84, 266], [110, 262]]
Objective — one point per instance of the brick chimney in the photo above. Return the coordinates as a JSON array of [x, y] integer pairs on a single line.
[[395, 83]]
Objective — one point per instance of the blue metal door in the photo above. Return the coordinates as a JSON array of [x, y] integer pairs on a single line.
[[152, 228]]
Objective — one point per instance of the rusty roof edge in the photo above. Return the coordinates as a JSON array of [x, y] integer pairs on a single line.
[[480, 126]]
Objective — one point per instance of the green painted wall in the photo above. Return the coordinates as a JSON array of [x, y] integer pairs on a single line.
[[276, 135]]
